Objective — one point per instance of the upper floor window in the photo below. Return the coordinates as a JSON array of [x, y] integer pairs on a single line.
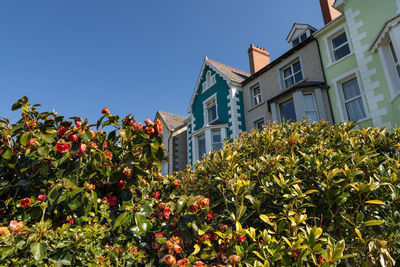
[[395, 58], [255, 92], [211, 110], [216, 139], [210, 81], [299, 39], [292, 74], [258, 124], [310, 107], [340, 46], [352, 100]]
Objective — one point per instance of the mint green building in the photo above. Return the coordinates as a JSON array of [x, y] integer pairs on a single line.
[[360, 52]]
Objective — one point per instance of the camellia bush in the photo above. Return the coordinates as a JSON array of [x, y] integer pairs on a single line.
[[301, 194]]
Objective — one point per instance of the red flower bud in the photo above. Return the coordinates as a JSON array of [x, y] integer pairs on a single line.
[[105, 111]]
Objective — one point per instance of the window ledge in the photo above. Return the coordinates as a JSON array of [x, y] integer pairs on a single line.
[[363, 120], [256, 106], [395, 97], [339, 60]]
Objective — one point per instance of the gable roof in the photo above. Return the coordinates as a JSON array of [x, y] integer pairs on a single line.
[[171, 121], [298, 26], [228, 73]]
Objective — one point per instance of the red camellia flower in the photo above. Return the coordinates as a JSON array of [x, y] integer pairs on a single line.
[[158, 234], [148, 122], [31, 142], [158, 126], [138, 126], [193, 208], [41, 197], [70, 221], [156, 195], [25, 203], [150, 130], [241, 238], [176, 183], [183, 262], [105, 111], [199, 264], [73, 138], [177, 249], [82, 148], [16, 227], [203, 202], [78, 122], [121, 184], [112, 200], [170, 260], [167, 212], [63, 147], [61, 131]]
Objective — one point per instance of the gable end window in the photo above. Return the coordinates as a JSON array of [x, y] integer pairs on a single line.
[[340, 46], [352, 100], [292, 74], [211, 110], [299, 39], [255, 92]]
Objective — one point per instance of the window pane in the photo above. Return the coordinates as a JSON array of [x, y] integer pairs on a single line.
[[350, 89], [309, 102], [341, 39], [212, 113], [296, 67], [287, 72], [298, 77], [259, 124], [202, 145], [256, 90], [216, 146], [355, 109], [303, 37], [312, 116], [289, 82], [342, 52], [257, 99], [288, 112], [393, 52], [216, 136], [295, 42]]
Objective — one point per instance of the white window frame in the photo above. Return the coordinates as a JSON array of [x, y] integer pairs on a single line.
[[298, 38], [329, 45], [212, 98], [337, 82], [209, 82], [212, 138], [283, 79], [254, 97], [255, 122], [315, 105], [395, 57]]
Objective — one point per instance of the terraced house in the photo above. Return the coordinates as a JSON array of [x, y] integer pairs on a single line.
[[360, 52]]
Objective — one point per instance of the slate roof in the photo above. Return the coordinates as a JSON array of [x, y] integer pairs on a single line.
[[231, 73], [170, 120]]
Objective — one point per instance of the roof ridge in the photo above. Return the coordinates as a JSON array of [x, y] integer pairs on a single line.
[[171, 113], [244, 72]]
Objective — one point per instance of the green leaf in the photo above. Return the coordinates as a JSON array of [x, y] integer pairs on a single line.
[[6, 251], [373, 222], [7, 154], [121, 220], [375, 201], [196, 249], [358, 233], [179, 206], [265, 219], [39, 251], [25, 137]]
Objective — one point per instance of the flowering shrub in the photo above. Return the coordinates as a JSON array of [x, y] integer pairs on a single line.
[[291, 195]]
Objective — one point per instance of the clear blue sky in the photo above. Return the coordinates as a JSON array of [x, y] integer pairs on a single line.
[[78, 56]]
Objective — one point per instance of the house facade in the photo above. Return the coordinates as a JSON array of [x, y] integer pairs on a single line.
[[174, 138], [360, 51], [216, 108], [292, 87]]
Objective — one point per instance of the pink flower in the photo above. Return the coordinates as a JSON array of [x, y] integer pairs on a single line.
[[61, 131], [70, 221], [139, 126], [241, 238], [121, 184], [78, 122], [31, 142], [158, 234], [156, 195], [148, 122], [16, 227], [82, 148], [41, 197], [158, 126], [167, 212]]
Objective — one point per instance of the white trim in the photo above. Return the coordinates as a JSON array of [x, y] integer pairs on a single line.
[[234, 111], [330, 25], [289, 62], [252, 96], [329, 48], [337, 84], [398, 6], [385, 65], [205, 109], [386, 28]]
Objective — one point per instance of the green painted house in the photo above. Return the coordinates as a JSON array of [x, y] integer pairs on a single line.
[[216, 108], [360, 52]]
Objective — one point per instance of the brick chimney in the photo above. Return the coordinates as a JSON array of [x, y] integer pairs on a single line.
[[258, 58], [328, 12]]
